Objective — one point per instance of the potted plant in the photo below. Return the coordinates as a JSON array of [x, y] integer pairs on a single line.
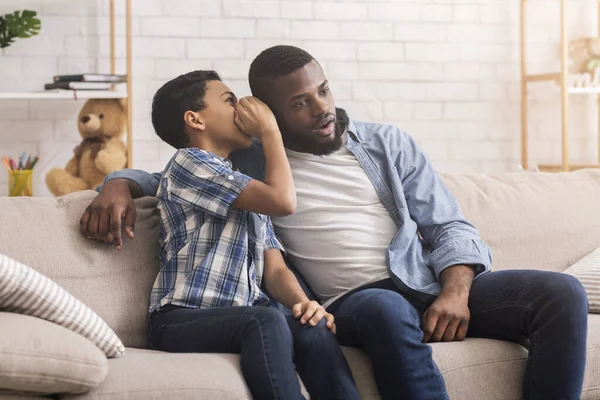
[[19, 24]]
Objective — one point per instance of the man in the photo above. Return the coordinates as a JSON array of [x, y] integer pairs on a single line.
[[384, 246]]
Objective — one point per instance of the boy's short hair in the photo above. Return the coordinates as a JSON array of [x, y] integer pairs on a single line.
[[173, 99]]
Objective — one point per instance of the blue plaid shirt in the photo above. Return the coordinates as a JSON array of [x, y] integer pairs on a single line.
[[212, 255]]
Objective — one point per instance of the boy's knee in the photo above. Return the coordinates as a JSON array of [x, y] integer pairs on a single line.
[[267, 320], [314, 337]]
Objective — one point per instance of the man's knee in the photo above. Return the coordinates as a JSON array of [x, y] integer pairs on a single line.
[[571, 292], [386, 309], [564, 292]]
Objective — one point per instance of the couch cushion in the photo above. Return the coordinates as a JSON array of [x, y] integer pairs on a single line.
[[26, 291], [42, 357], [147, 374], [115, 284], [14, 396], [478, 369], [591, 382], [533, 220], [473, 370]]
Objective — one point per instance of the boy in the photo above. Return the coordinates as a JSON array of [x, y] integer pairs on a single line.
[[219, 255]]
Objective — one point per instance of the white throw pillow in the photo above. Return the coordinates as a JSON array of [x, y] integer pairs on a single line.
[[26, 291], [587, 270]]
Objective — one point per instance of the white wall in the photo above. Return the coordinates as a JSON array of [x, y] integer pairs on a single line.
[[446, 71]]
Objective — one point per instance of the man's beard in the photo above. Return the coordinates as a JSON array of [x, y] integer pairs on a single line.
[[313, 144]]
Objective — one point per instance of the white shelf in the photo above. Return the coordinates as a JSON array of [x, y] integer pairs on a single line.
[[63, 95], [584, 90]]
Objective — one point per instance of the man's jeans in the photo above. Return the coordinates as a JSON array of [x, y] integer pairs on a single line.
[[545, 311], [269, 344]]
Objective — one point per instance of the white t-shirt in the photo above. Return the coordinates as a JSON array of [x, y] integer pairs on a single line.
[[339, 235]]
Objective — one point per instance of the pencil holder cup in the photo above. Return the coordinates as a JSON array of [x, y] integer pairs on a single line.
[[20, 183]]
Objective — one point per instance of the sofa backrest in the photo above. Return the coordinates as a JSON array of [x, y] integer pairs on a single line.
[[531, 220], [44, 234]]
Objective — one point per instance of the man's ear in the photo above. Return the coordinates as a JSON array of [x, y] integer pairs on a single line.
[[194, 120]]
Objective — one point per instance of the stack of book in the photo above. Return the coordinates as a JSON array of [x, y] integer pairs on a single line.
[[85, 82]]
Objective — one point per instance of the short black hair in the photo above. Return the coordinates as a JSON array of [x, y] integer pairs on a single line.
[[173, 99], [272, 63]]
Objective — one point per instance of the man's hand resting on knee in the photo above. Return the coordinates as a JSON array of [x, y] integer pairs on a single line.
[[112, 209], [447, 319]]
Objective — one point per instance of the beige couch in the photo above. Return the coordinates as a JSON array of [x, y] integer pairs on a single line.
[[531, 220]]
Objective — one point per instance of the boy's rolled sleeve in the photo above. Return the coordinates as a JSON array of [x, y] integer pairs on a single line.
[[271, 241], [200, 179]]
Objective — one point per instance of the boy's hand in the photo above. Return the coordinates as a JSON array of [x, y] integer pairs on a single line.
[[254, 118], [312, 312]]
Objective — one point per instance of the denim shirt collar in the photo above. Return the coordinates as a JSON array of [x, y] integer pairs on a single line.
[[353, 137]]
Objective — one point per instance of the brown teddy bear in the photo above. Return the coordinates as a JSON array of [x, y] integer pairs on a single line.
[[584, 54], [102, 124]]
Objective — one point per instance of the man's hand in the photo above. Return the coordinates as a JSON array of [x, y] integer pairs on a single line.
[[312, 312], [255, 118], [104, 216], [447, 319]]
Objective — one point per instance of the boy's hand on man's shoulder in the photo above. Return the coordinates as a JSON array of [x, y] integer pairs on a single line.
[[103, 218], [312, 312]]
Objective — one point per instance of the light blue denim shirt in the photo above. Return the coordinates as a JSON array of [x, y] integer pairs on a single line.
[[432, 232]]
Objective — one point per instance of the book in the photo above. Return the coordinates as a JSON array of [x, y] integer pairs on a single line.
[[78, 86], [91, 78]]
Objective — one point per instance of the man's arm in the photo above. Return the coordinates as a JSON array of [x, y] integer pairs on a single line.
[[281, 283], [141, 183], [453, 239], [458, 253]]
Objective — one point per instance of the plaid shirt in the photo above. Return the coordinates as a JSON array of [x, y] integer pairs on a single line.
[[212, 255]]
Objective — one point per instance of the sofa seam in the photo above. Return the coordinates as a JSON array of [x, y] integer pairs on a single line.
[[52, 357], [483, 363]]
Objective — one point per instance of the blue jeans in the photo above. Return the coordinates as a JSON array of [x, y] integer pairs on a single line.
[[269, 344], [544, 311]]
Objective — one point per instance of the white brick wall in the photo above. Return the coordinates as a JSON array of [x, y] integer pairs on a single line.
[[446, 71]]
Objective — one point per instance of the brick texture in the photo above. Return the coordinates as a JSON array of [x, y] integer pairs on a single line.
[[445, 71]]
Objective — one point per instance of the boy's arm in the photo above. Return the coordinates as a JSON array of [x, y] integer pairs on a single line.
[[275, 196], [281, 283]]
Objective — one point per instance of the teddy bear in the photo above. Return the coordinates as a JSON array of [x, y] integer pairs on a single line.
[[584, 54], [102, 124]]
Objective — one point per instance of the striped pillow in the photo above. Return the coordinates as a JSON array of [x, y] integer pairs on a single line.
[[587, 270], [26, 291]]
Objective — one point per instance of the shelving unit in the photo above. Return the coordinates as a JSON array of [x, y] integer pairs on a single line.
[[96, 94], [63, 95], [565, 90]]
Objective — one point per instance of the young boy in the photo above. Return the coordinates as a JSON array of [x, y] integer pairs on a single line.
[[219, 254]]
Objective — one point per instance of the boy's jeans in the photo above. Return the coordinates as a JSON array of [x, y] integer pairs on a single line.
[[272, 346]]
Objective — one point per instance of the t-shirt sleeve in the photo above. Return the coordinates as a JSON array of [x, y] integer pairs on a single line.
[[202, 180]]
